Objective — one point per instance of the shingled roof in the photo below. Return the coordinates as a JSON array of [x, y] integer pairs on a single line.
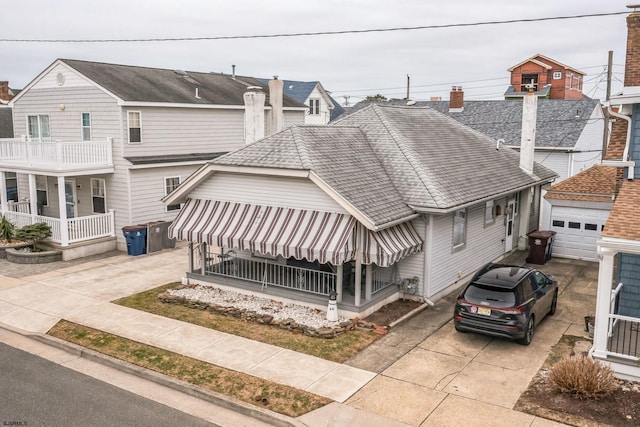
[[391, 162], [595, 184], [143, 84], [623, 220], [559, 122]]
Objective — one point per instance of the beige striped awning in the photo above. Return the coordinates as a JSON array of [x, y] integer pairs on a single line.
[[299, 233]]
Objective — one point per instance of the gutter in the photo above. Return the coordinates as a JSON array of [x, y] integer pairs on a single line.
[[625, 154]]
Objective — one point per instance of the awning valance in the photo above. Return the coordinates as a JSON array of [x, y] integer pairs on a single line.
[[299, 233]]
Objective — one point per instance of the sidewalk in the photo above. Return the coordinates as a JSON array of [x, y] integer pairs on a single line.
[[419, 374]]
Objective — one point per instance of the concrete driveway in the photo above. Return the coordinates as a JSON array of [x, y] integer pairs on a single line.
[[448, 378]]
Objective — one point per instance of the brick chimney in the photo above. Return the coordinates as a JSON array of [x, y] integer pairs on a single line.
[[456, 99], [4, 91], [253, 114], [632, 64]]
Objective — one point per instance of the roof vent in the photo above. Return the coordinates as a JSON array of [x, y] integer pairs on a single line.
[[411, 102], [182, 73]]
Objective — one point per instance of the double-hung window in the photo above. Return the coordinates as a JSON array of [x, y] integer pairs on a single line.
[[489, 213], [314, 107], [134, 124], [11, 181], [459, 228], [86, 127], [38, 127], [98, 195], [170, 184]]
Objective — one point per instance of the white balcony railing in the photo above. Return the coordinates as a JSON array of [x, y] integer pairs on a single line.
[[78, 229], [56, 155]]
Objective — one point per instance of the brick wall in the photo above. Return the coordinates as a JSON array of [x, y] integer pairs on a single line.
[[632, 64]]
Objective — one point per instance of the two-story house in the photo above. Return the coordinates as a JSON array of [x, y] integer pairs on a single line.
[[96, 146], [617, 318]]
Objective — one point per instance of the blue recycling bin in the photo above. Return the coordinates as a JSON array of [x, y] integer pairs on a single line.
[[136, 237]]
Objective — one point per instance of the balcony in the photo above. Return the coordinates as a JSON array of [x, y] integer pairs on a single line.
[[57, 156]]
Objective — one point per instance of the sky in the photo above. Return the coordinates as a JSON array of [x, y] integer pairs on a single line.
[[349, 65]]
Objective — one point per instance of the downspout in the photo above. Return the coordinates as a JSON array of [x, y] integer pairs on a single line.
[[625, 154], [427, 257]]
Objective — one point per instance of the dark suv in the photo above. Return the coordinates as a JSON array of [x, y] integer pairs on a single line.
[[506, 301]]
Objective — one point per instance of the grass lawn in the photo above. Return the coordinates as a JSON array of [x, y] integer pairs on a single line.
[[273, 396], [338, 349]]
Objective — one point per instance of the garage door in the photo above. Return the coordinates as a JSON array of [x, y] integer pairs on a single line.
[[577, 230]]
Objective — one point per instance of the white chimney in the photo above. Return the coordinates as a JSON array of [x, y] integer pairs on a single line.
[[276, 117], [253, 114], [528, 137]]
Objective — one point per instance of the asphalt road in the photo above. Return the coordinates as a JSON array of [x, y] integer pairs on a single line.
[[37, 392]]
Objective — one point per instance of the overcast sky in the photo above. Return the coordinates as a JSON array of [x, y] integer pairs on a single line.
[[354, 65]]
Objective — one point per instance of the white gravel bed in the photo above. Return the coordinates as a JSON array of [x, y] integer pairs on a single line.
[[303, 315]]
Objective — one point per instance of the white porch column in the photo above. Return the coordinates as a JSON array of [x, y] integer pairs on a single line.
[[358, 266], [4, 202], [368, 276], [339, 271], [62, 202], [603, 302], [33, 196]]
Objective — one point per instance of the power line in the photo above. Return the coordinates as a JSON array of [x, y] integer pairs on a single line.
[[319, 33]]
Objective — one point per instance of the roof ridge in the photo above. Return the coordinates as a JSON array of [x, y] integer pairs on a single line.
[[299, 143]]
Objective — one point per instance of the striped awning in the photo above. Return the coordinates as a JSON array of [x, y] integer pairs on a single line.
[[299, 233], [388, 246]]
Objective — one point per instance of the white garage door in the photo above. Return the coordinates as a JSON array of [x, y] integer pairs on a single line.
[[577, 230]]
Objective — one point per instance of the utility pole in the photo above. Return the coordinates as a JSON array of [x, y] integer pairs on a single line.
[[605, 131]]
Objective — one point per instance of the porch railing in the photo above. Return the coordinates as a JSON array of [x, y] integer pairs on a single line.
[[267, 273], [383, 277], [624, 337], [78, 229], [56, 155], [23, 207]]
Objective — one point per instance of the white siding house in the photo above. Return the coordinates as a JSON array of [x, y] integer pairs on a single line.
[[111, 141], [371, 207]]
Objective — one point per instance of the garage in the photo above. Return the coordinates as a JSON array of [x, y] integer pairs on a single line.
[[577, 230]]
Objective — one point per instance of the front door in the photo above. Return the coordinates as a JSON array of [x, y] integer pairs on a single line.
[[70, 197], [508, 241]]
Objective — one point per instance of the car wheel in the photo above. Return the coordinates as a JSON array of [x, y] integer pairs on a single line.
[[528, 335], [554, 303]]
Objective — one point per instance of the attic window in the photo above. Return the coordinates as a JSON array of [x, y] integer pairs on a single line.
[[314, 107], [557, 75]]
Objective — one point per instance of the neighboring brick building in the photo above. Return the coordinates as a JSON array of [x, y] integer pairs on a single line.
[[551, 79]]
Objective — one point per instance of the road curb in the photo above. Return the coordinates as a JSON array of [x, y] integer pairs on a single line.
[[219, 399]]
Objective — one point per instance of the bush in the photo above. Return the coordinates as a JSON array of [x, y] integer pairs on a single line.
[[7, 229], [33, 233], [583, 377]]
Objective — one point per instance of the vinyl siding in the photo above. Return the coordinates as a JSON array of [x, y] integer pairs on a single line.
[[589, 146], [556, 161], [484, 244], [413, 265], [272, 191], [629, 275], [324, 114], [293, 118], [634, 149]]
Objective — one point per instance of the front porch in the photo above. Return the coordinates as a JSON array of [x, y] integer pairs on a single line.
[[286, 279]]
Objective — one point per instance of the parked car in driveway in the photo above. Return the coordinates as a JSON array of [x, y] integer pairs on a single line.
[[506, 301]]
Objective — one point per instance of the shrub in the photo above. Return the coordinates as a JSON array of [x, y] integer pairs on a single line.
[[7, 229], [583, 377], [33, 233]]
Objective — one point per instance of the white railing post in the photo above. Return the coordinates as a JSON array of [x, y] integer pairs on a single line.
[[112, 222], [64, 225]]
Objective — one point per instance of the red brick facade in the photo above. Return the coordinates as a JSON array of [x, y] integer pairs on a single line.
[[4, 91], [566, 85], [632, 64]]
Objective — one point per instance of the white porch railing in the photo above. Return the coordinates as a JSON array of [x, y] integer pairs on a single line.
[[23, 207], [78, 229], [56, 155]]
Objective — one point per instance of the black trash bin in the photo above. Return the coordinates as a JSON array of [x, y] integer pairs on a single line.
[[540, 246], [136, 237]]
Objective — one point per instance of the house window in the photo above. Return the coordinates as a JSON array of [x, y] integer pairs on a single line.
[[516, 205], [38, 127], [42, 193], [557, 75], [134, 123], [574, 225], [489, 213], [529, 79], [459, 228], [11, 180], [86, 127], [98, 195], [314, 106], [170, 184]]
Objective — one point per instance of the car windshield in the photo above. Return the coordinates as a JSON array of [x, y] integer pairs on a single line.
[[489, 295]]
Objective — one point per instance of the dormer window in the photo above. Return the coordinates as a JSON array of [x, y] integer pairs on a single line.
[[314, 106]]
